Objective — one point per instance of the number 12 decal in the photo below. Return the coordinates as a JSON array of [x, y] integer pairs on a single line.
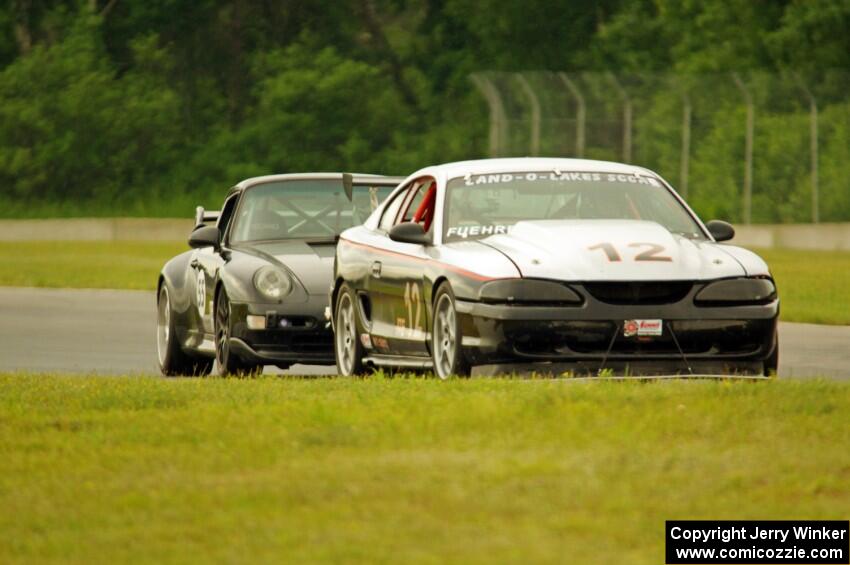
[[412, 299], [651, 254]]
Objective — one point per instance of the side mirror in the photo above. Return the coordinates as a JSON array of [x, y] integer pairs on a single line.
[[206, 236], [409, 232], [720, 230]]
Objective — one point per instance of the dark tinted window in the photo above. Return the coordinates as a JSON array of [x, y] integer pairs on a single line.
[[391, 211], [301, 209], [224, 220]]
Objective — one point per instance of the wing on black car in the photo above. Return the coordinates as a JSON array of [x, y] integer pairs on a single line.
[[205, 216]]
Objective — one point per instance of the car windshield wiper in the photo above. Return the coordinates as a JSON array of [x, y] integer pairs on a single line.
[[688, 235]]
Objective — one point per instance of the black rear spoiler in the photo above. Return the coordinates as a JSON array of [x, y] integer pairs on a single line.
[[349, 181]]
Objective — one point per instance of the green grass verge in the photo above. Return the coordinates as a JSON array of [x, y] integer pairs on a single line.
[[812, 284], [152, 470], [85, 264]]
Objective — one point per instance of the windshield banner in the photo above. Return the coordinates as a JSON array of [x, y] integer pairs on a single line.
[[557, 176]]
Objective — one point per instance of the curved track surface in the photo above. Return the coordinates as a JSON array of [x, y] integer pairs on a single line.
[[111, 332]]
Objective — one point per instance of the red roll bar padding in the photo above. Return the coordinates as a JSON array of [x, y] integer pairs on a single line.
[[425, 212]]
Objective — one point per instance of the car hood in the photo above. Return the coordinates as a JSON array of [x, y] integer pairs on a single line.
[[311, 263], [578, 250]]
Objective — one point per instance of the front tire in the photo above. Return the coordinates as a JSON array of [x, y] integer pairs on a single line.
[[347, 347], [172, 359], [229, 362], [446, 337]]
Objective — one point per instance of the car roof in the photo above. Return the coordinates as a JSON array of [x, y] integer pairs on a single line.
[[518, 164], [358, 178]]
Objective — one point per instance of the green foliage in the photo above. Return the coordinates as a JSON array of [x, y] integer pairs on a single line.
[[70, 128], [835, 157], [145, 107], [314, 104], [812, 34]]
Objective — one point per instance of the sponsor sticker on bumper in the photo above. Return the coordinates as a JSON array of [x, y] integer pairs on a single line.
[[642, 328]]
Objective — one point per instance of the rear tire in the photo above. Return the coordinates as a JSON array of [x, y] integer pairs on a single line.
[[229, 363], [447, 338], [348, 350], [173, 361]]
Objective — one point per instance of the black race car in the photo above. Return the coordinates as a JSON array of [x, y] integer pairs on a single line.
[[253, 289]]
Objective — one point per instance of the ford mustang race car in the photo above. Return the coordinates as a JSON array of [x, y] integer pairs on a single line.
[[589, 264], [254, 287]]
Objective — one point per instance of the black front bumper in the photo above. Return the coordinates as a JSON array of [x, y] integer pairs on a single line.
[[591, 335], [295, 333]]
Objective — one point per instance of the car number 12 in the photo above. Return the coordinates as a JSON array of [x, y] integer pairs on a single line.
[[651, 254], [412, 299]]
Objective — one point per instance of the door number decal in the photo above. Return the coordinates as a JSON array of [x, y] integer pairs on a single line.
[[411, 325], [651, 254], [201, 292]]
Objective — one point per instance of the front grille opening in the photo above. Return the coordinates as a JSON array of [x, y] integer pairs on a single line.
[[699, 337], [286, 322], [638, 293], [319, 341], [308, 341]]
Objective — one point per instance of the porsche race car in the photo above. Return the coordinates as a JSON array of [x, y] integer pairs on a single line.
[[253, 289], [591, 265]]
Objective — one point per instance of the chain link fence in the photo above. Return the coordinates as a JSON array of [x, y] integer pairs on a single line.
[[747, 147]]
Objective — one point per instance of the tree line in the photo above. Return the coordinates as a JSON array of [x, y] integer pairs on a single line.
[[147, 107]]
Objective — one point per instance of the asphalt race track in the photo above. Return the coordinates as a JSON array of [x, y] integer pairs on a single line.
[[85, 331], [112, 332]]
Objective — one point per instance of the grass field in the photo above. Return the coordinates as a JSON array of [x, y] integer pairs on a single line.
[[813, 284], [85, 264], [113, 470]]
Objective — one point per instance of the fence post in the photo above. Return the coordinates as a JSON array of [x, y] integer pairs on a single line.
[[748, 148], [813, 146], [535, 114], [580, 112], [498, 120], [685, 161], [627, 118]]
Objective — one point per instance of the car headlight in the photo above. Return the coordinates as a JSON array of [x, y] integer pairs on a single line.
[[273, 282], [528, 291], [735, 292]]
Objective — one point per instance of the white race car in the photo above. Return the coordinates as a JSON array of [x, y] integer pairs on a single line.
[[593, 264]]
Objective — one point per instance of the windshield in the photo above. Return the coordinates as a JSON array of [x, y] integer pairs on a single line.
[[303, 209], [481, 205]]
